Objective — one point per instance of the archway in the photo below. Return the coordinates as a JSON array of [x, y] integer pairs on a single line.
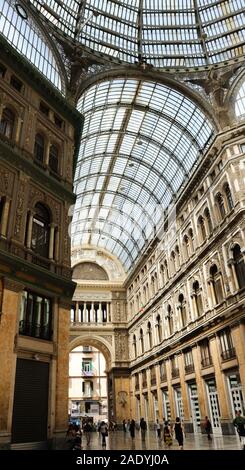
[[88, 395]]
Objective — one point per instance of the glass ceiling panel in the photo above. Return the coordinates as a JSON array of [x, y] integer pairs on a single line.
[[163, 33], [139, 144], [19, 28]]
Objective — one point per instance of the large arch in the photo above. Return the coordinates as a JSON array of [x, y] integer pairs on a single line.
[[83, 339]]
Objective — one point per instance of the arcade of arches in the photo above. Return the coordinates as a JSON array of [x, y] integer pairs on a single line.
[[122, 203]]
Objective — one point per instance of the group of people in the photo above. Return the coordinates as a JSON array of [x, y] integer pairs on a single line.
[[75, 433], [130, 426]]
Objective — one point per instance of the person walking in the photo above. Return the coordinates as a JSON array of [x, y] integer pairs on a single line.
[[239, 423], [158, 429], [179, 433], [132, 429], [167, 434], [208, 428], [143, 427], [104, 433], [87, 429], [124, 426]]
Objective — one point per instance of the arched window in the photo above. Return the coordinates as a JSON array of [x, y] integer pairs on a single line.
[[170, 320], [221, 206], [166, 268], [228, 195], [7, 123], [159, 328], [239, 266], [202, 228], [216, 284], [187, 247], [54, 158], [191, 238], [182, 308], [142, 341], [134, 346], [149, 331], [208, 219], [39, 148], [41, 231], [197, 298], [173, 262], [178, 261]]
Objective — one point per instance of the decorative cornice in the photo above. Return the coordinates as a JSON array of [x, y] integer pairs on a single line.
[[13, 155], [44, 88], [13, 285]]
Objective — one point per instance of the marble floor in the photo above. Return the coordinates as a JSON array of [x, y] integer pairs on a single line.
[[119, 440]]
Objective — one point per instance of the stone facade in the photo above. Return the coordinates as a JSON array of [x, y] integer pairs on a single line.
[[27, 183]]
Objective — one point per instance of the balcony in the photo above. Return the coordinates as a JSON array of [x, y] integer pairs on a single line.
[[137, 386], [206, 361], [163, 377], [189, 369], [144, 383], [175, 373], [228, 354]]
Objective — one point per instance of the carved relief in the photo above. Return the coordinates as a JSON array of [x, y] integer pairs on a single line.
[[107, 338], [6, 181], [121, 346], [20, 209]]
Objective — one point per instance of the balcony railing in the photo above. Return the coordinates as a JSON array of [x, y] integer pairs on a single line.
[[35, 330], [175, 372], [163, 377], [144, 383], [228, 354], [153, 381], [189, 369], [206, 361]]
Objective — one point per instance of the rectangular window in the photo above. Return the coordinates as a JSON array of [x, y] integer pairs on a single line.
[[58, 121], [16, 83], [2, 70], [44, 108], [35, 316], [87, 367], [226, 345], [206, 359]]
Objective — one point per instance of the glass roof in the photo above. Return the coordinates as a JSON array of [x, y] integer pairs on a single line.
[[18, 27], [164, 33], [140, 142]]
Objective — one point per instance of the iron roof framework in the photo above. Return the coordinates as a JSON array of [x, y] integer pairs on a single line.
[[163, 33], [140, 142]]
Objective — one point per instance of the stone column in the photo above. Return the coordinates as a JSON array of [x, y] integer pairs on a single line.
[[56, 244], [170, 389], [29, 230], [8, 331], [85, 315], [225, 416], [92, 313], [18, 129], [100, 313], [238, 338], [159, 392], [51, 241], [184, 393], [62, 371], [5, 217], [76, 313], [46, 152]]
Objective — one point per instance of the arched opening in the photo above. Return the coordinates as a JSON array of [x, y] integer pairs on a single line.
[[239, 265], [149, 332], [228, 195], [182, 308], [142, 341], [159, 328], [216, 284], [39, 148], [197, 299], [88, 385], [134, 347], [41, 231], [170, 320], [7, 123], [221, 206]]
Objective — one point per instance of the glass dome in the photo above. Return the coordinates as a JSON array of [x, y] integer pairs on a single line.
[[161, 33]]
